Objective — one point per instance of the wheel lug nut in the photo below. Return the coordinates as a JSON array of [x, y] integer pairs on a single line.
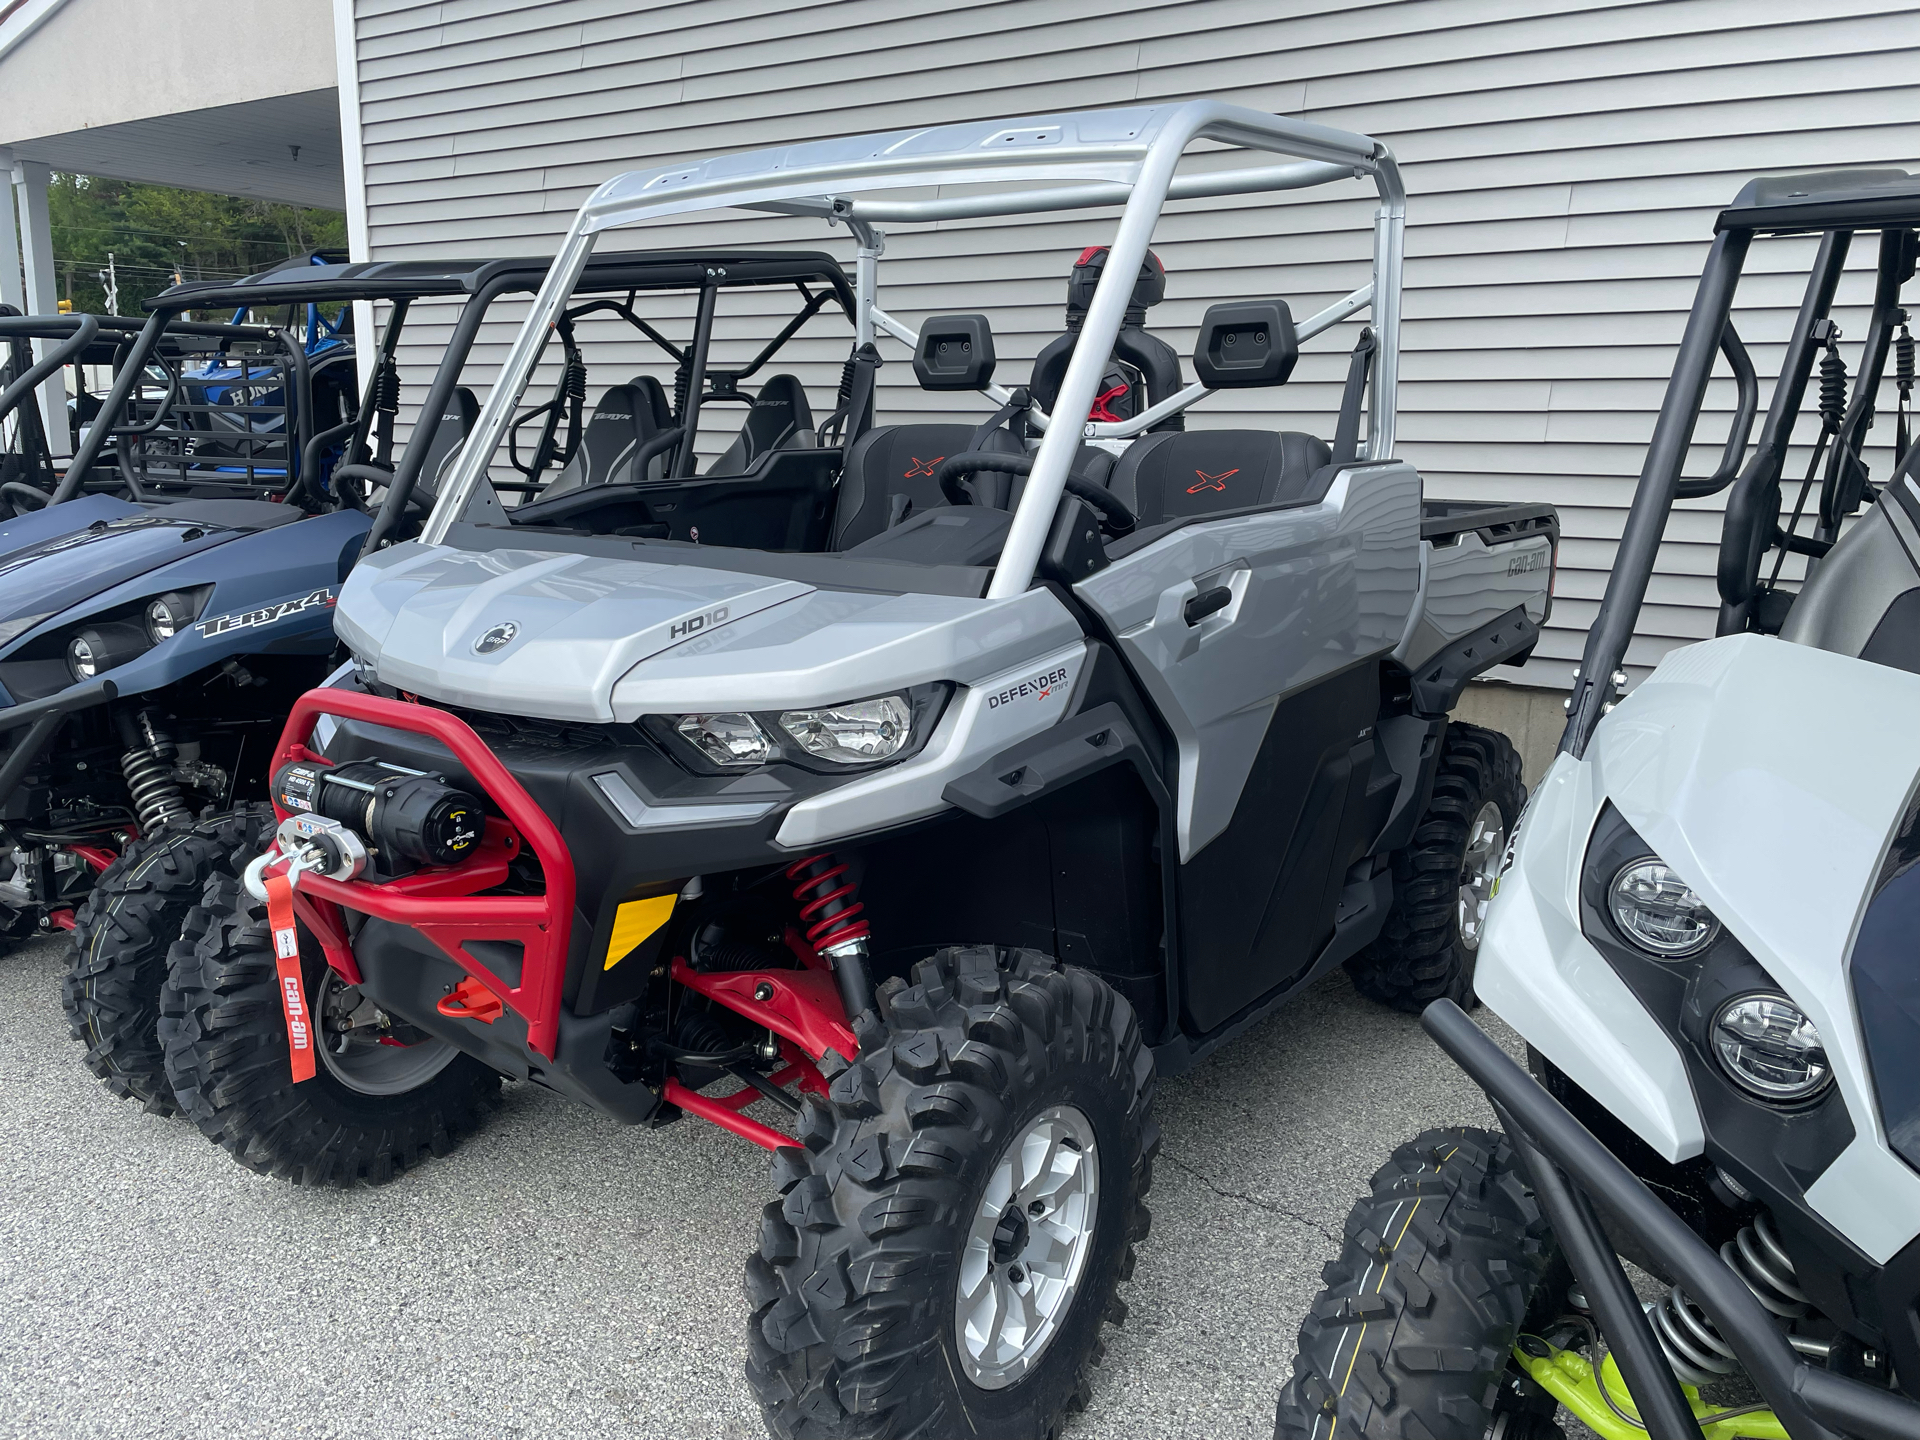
[[1037, 1208], [1016, 1274]]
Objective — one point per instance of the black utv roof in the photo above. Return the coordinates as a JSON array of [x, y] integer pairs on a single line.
[[302, 281], [1825, 200]]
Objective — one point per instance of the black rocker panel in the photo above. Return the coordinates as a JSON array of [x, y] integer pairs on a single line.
[[1257, 904]]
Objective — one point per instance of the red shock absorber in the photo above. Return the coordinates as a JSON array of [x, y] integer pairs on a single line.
[[829, 903], [830, 909]]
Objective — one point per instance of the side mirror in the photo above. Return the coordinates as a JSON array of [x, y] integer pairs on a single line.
[[955, 353], [1246, 343]]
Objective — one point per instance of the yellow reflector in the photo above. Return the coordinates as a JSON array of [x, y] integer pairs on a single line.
[[633, 922]]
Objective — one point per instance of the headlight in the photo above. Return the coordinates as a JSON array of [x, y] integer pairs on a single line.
[[1769, 1047], [101, 647], [854, 734], [1659, 912], [167, 615], [730, 739]]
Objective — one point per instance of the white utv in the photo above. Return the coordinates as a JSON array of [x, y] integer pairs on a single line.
[[1708, 935], [949, 775]]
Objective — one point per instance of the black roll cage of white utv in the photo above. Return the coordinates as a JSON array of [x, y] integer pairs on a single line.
[[1134, 168], [1834, 206]]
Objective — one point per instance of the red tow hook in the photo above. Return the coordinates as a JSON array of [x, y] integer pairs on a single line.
[[471, 1000]]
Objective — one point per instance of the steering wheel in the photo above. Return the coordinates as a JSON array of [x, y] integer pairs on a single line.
[[1115, 518], [417, 504]]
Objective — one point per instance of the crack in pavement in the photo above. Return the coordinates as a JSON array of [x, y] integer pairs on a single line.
[[1269, 1206]]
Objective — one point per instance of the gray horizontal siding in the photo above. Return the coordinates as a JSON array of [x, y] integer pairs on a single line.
[[1564, 161]]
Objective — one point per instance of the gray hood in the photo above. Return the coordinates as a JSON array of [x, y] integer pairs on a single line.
[[559, 630]]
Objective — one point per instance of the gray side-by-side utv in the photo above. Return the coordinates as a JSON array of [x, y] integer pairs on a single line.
[[1707, 932], [951, 775]]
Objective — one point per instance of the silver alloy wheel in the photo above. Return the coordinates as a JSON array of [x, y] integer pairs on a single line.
[[358, 1054], [1479, 868], [1022, 1263]]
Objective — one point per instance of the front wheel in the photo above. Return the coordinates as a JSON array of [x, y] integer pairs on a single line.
[[117, 955], [963, 1212], [1444, 1264], [383, 1097]]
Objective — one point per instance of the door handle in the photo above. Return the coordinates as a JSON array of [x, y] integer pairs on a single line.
[[1207, 602]]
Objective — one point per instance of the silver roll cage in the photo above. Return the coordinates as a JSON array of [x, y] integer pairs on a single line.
[[1115, 157]]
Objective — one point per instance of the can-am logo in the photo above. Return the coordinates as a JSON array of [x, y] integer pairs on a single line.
[[265, 615], [694, 624], [495, 636], [1527, 563], [1041, 686]]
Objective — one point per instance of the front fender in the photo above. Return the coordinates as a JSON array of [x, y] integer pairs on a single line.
[[1538, 972]]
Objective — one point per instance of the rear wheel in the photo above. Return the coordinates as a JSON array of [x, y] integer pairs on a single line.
[[383, 1097], [956, 1227], [1444, 1264], [1444, 878], [117, 956]]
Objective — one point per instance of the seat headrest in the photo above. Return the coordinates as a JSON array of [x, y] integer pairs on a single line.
[[1178, 474], [1149, 287]]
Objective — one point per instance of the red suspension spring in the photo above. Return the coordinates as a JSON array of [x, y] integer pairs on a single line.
[[829, 906]]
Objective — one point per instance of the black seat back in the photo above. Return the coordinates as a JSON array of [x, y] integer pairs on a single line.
[[780, 417], [889, 475], [625, 417], [1156, 362], [1175, 475], [456, 423]]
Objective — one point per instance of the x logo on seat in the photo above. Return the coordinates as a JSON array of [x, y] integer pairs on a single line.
[[1212, 482], [922, 467]]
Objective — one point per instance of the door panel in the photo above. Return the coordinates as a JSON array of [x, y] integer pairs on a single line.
[[1316, 589], [1257, 904]]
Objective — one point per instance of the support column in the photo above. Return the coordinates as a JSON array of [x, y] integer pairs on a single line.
[[30, 181], [12, 291]]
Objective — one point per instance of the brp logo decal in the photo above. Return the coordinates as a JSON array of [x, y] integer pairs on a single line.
[[496, 637], [921, 467], [1212, 482]]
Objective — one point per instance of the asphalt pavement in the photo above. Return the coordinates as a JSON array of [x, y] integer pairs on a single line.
[[564, 1276]]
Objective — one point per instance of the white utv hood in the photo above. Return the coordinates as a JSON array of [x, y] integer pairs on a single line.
[[1772, 777], [528, 631]]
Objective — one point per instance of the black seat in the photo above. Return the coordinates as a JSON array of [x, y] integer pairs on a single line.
[[456, 423], [889, 475], [1172, 476], [780, 418], [625, 418]]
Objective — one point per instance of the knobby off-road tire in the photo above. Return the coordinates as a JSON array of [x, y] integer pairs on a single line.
[[855, 1286], [117, 951], [1423, 952], [1444, 1264], [225, 1037]]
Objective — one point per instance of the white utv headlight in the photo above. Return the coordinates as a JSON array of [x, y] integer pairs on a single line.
[[853, 734], [1660, 912], [728, 738], [1770, 1048]]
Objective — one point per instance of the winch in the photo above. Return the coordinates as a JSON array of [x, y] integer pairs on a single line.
[[406, 818]]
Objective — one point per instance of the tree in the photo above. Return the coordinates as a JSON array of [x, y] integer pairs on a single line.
[[156, 231]]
